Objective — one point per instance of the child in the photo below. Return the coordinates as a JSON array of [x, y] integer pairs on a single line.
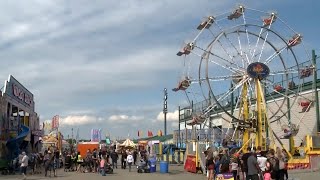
[[102, 162], [234, 168], [267, 173]]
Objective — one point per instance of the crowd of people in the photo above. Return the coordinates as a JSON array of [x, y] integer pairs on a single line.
[[34, 162], [255, 164], [102, 161]]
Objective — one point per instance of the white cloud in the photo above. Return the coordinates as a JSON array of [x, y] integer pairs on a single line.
[[124, 118], [79, 120], [175, 125], [171, 116]]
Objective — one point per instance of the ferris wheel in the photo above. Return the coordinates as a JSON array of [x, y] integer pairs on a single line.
[[251, 67]]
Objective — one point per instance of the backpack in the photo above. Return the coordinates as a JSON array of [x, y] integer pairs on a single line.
[[32, 159]]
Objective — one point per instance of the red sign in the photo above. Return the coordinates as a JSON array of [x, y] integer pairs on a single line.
[[20, 94], [190, 164], [55, 122]]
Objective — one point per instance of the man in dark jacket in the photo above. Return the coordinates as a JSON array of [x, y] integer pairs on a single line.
[[135, 154], [244, 160], [123, 160], [114, 158]]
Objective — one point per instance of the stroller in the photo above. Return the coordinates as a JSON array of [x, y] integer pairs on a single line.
[[107, 168], [5, 167], [143, 167], [68, 164]]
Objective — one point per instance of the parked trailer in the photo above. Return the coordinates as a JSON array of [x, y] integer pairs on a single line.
[[84, 146]]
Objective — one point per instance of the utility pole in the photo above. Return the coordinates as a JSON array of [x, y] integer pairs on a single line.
[[72, 136], [315, 78], [165, 110], [179, 119]]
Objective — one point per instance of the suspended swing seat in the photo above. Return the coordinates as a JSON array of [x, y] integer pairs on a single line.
[[291, 85], [183, 85], [296, 39], [305, 104], [186, 50], [278, 88], [290, 131], [269, 20], [306, 72], [237, 13], [206, 24], [196, 120]]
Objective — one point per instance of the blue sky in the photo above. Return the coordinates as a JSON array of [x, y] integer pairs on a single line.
[[104, 64]]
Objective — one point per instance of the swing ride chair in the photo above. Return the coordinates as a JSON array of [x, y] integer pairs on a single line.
[[242, 61]]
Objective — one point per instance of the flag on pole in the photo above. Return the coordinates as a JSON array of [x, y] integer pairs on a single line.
[[95, 135], [55, 122], [150, 134], [139, 133], [159, 133]]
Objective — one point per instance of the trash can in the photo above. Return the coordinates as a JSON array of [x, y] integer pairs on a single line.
[[164, 167], [153, 165]]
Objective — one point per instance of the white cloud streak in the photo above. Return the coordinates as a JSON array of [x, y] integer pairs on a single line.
[[171, 116], [124, 119]]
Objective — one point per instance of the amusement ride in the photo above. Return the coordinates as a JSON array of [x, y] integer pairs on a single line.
[[251, 66]]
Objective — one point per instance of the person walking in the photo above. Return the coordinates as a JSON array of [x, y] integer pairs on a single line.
[[79, 162], [24, 164], [262, 160], [130, 160], [244, 161], [114, 158], [102, 166], [135, 156], [225, 162], [95, 160], [210, 163], [123, 159], [282, 160], [274, 164], [286, 158], [234, 167], [253, 167]]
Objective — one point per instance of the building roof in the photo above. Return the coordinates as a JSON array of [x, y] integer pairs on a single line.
[[160, 138]]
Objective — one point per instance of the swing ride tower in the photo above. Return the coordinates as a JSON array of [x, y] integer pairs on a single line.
[[263, 59]]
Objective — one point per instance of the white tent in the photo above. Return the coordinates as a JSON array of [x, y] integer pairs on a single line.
[[128, 143]]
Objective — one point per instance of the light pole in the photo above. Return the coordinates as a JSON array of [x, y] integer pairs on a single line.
[[165, 110]]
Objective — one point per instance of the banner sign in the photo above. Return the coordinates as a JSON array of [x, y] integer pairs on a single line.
[[55, 122], [95, 135], [18, 92], [108, 142], [225, 176], [190, 164]]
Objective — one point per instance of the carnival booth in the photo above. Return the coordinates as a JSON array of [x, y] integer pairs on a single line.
[[128, 144], [142, 145]]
